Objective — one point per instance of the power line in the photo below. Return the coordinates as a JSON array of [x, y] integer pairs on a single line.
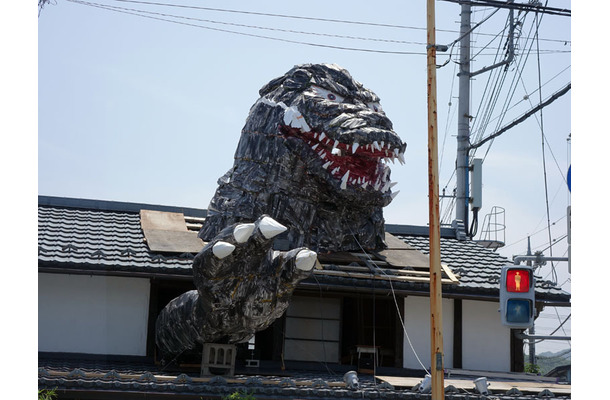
[[516, 6], [139, 14], [300, 17], [525, 116], [263, 27], [164, 17]]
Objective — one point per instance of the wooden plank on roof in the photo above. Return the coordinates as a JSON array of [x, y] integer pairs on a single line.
[[403, 277], [395, 243], [340, 257], [173, 241], [161, 220], [404, 258], [166, 232]]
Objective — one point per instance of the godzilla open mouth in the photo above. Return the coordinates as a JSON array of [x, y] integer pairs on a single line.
[[361, 165]]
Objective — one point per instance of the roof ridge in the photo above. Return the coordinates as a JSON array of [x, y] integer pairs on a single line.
[[111, 205]]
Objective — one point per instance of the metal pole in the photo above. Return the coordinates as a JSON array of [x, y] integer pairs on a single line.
[[436, 312], [463, 137], [532, 330]]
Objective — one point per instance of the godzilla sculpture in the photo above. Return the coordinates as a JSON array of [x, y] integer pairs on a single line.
[[310, 169]]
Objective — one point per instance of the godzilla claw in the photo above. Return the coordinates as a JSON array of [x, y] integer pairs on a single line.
[[222, 249], [305, 260], [242, 232], [270, 227]]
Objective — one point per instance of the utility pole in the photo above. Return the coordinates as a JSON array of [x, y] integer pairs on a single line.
[[436, 311], [463, 122], [462, 196]]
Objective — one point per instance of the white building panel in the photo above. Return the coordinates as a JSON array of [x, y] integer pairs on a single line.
[[485, 341], [417, 324], [92, 314]]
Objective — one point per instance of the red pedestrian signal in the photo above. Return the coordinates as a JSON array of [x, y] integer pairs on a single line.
[[518, 280], [517, 296]]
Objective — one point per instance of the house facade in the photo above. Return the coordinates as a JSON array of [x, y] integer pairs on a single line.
[[104, 276]]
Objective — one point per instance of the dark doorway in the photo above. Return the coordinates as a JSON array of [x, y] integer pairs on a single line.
[[371, 321], [161, 293]]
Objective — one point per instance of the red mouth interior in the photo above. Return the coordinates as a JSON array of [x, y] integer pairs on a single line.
[[364, 165]]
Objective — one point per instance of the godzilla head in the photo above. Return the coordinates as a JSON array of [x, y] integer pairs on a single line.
[[313, 155], [336, 126]]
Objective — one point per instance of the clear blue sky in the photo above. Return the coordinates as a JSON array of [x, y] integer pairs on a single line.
[[140, 109]]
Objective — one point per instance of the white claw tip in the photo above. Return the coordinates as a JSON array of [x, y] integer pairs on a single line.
[[222, 249], [270, 227], [242, 232], [305, 260]]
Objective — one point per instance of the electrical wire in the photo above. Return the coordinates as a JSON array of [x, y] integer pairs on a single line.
[[265, 28], [139, 14]]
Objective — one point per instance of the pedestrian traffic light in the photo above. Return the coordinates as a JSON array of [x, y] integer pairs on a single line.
[[517, 296]]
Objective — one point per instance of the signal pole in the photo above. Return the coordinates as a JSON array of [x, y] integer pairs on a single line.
[[436, 311]]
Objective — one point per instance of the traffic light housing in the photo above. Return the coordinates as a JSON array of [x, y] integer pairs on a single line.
[[517, 296]]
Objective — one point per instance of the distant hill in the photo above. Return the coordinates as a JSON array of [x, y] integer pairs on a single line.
[[548, 360]]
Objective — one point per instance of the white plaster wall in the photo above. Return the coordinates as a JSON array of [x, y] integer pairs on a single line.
[[417, 324], [92, 314], [485, 341]]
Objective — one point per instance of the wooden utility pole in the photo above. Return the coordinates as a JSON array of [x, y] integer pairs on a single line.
[[436, 310]]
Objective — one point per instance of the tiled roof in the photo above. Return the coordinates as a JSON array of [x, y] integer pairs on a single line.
[[88, 235], [479, 268], [102, 378], [99, 239]]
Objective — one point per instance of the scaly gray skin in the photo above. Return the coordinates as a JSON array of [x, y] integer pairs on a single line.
[[309, 167]]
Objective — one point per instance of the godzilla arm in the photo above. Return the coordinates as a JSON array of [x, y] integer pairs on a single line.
[[243, 285]]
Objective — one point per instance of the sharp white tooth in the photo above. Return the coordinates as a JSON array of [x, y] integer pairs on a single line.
[[315, 146], [401, 158], [376, 145], [242, 232], [364, 185], [328, 164], [355, 147], [386, 187], [222, 249], [382, 144], [270, 227], [336, 151], [334, 171], [395, 194], [315, 135], [322, 136], [392, 184], [344, 180], [377, 185], [335, 144], [322, 153]]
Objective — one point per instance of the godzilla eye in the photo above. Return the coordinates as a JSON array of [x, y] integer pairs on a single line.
[[375, 107], [327, 94]]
